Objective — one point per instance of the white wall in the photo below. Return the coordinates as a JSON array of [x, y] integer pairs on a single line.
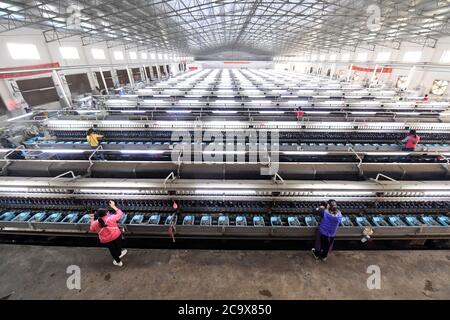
[[422, 78], [49, 52]]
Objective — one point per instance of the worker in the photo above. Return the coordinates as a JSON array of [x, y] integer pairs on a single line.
[[94, 102], [299, 113], [108, 231], [411, 141], [27, 108], [94, 141], [426, 99], [327, 230]]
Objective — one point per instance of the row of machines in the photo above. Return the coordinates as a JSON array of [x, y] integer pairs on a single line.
[[235, 153], [249, 96], [391, 211], [314, 150]]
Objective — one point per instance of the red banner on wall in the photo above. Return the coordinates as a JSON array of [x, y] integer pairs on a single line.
[[16, 74], [383, 70]]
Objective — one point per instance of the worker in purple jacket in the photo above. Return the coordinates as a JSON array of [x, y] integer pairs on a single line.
[[327, 230]]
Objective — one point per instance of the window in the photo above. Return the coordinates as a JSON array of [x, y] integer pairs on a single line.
[[118, 55], [78, 83], [322, 57], [144, 55], [362, 56], [149, 74], [9, 7], [133, 55], [23, 51], [38, 91], [98, 54], [69, 53], [314, 57], [136, 72], [439, 87], [401, 82], [383, 56], [332, 57], [345, 57], [152, 56], [160, 56], [445, 58], [166, 56], [108, 79], [412, 56], [123, 76]]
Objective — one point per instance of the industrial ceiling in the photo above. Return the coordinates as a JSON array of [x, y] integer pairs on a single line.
[[263, 28]]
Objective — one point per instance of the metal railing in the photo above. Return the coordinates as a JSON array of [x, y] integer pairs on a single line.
[[8, 161], [91, 162]]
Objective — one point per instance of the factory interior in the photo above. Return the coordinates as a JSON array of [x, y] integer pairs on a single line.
[[219, 128]]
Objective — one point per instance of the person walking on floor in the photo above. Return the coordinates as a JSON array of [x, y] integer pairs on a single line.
[[329, 224], [108, 231]]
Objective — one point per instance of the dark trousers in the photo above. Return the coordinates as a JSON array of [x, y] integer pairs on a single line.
[[98, 155], [115, 248], [323, 245]]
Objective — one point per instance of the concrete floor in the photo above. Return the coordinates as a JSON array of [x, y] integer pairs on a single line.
[[32, 272]]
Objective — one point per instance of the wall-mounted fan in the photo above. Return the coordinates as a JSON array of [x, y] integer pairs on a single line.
[[439, 87]]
